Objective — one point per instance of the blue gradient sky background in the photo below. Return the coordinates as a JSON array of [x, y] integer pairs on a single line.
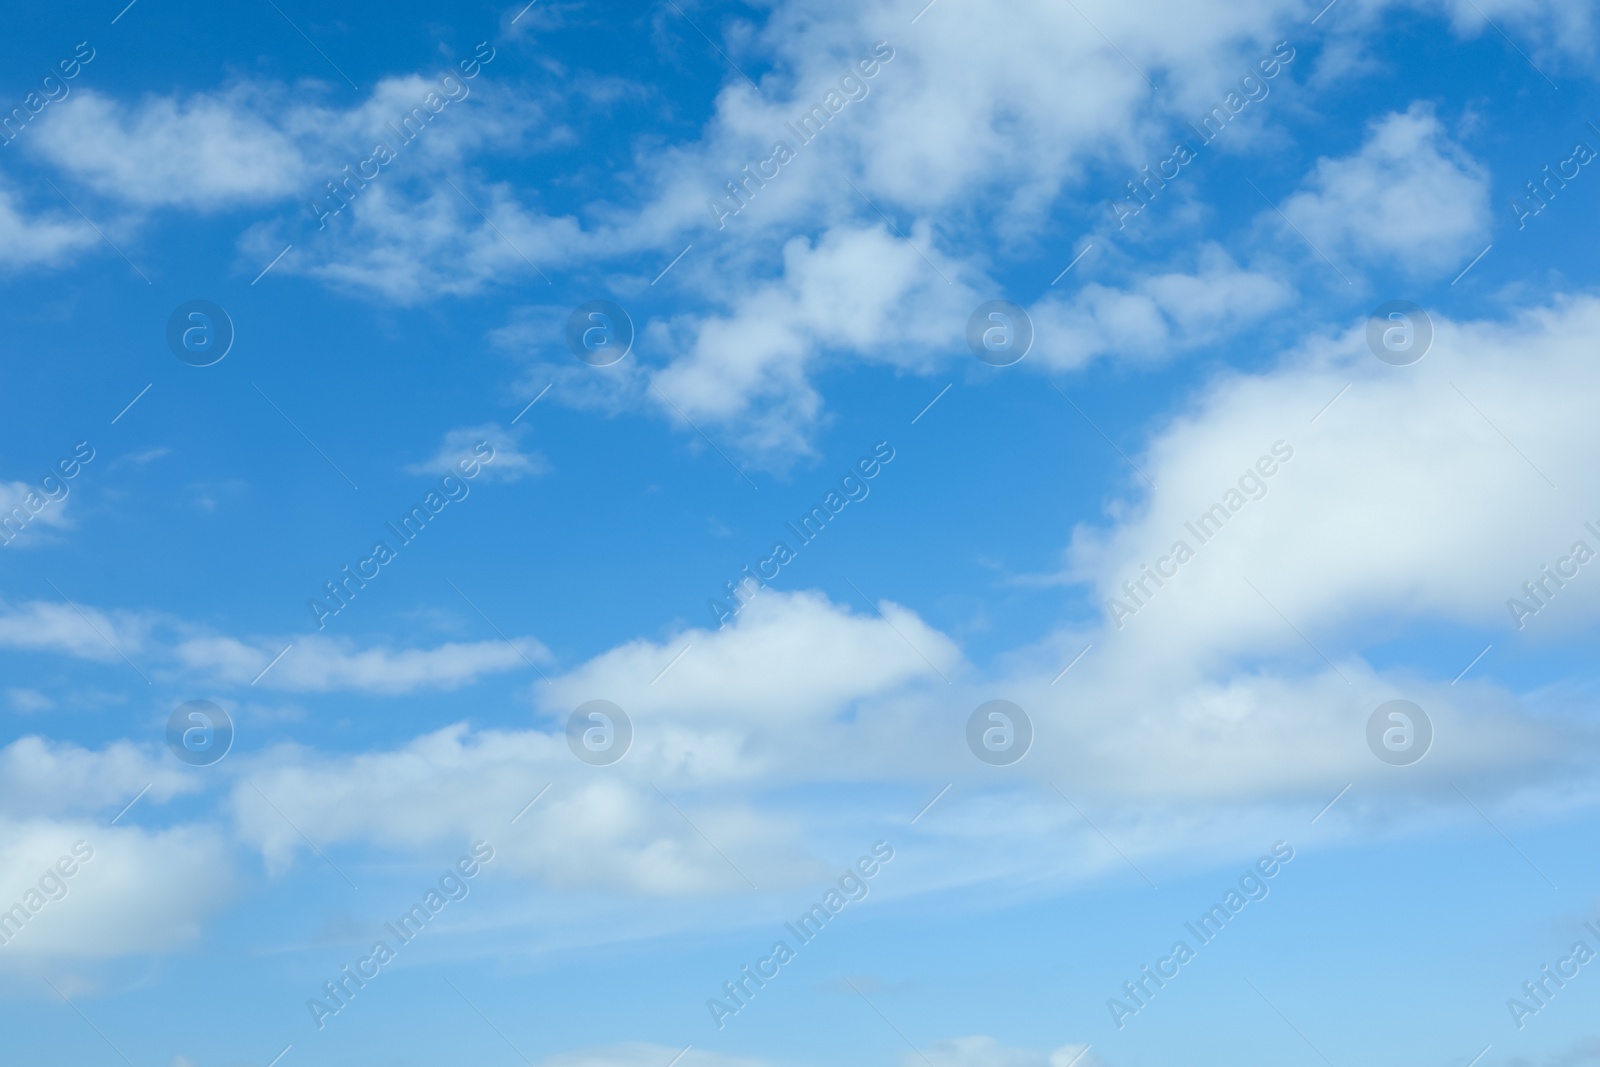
[[819, 321]]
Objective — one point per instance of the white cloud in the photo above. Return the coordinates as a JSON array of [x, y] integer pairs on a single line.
[[41, 240], [21, 517], [331, 664], [861, 293], [758, 701], [412, 247], [1158, 316], [204, 152], [43, 778], [1404, 493], [592, 831], [984, 1051], [1561, 32], [85, 632], [1410, 197], [138, 890], [767, 667], [314, 662], [260, 142], [508, 463]]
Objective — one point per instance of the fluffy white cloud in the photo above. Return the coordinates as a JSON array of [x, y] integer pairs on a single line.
[[593, 830], [861, 293], [1405, 494], [1410, 197], [724, 714], [413, 247], [202, 152], [255, 143], [1157, 316], [39, 778], [767, 668], [131, 890]]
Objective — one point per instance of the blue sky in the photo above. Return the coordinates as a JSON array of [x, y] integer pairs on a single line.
[[1376, 531]]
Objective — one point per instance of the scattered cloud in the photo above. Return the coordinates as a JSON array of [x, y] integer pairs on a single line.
[[508, 463], [1410, 198]]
